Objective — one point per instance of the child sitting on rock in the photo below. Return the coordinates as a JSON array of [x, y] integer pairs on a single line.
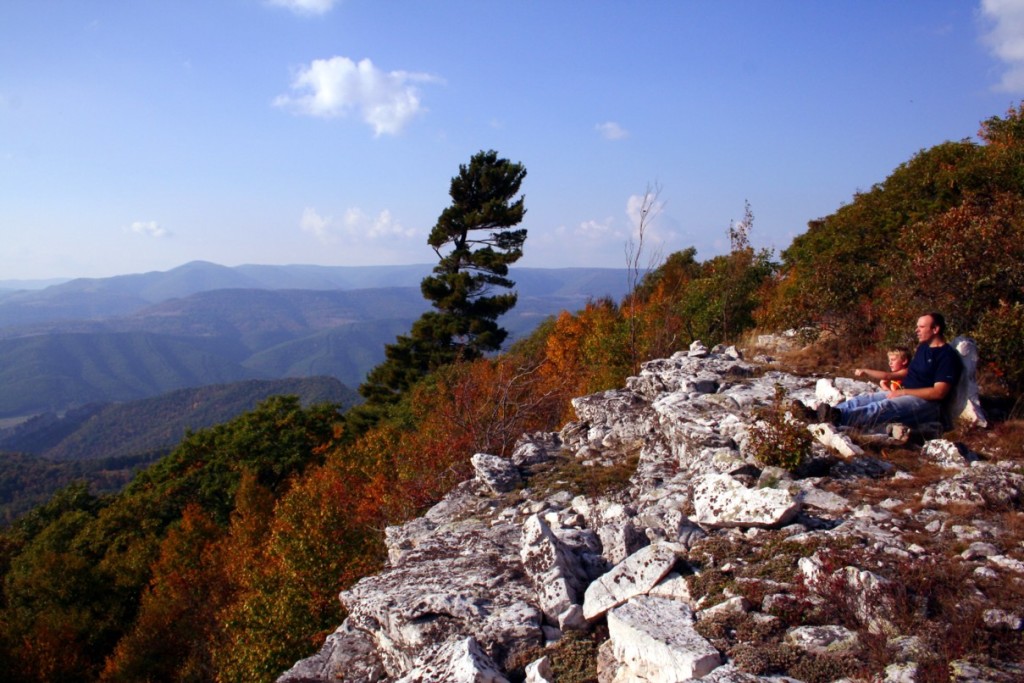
[[899, 359]]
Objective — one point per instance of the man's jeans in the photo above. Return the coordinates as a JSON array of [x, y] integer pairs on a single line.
[[868, 410]]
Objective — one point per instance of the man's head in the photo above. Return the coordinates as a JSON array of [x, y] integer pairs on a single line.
[[899, 358], [930, 328]]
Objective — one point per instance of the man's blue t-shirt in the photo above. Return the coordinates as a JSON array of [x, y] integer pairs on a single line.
[[933, 364]]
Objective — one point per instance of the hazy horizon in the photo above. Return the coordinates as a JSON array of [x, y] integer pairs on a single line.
[[42, 283]]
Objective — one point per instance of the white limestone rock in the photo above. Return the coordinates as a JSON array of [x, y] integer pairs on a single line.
[[689, 430], [535, 448], [734, 605], [946, 454], [825, 391], [461, 661], [965, 671], [823, 639], [1001, 619], [902, 672], [871, 595], [698, 350], [554, 569], [572, 619], [496, 575], [727, 673], [539, 671], [636, 575], [614, 525], [828, 436], [664, 520], [674, 587], [730, 352], [655, 640], [812, 496], [456, 580], [980, 484], [979, 550], [346, 651], [1007, 563], [621, 412], [721, 501], [500, 475]]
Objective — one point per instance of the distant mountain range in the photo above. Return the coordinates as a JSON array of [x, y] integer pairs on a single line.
[[136, 336]]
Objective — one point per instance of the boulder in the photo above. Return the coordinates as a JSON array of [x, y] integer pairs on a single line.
[[698, 350], [825, 391], [347, 652], [636, 575], [539, 671], [500, 475], [460, 661], [823, 639], [721, 501], [654, 639], [946, 454], [977, 485], [830, 437], [554, 569]]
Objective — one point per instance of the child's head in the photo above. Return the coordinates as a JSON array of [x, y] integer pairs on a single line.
[[899, 358]]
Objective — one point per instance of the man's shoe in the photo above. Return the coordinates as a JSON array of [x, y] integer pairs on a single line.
[[801, 410], [827, 413]]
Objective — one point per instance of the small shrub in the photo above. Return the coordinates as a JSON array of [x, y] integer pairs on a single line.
[[777, 439], [762, 659], [824, 668], [711, 584]]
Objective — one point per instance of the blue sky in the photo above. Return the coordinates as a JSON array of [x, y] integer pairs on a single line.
[[140, 135]]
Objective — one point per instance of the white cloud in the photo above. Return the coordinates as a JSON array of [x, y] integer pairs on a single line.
[[598, 230], [329, 88], [314, 223], [308, 7], [1006, 40], [643, 207], [610, 130], [355, 227], [149, 229]]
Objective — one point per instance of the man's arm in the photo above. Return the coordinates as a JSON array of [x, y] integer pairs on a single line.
[[936, 392]]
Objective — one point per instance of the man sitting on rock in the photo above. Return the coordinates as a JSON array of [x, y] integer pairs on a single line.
[[932, 374]]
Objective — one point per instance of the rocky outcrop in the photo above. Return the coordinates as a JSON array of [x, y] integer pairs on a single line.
[[492, 577]]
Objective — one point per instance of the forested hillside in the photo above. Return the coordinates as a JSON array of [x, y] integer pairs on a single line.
[[76, 343], [104, 444], [223, 561]]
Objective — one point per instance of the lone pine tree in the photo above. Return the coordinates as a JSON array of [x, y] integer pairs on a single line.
[[475, 242]]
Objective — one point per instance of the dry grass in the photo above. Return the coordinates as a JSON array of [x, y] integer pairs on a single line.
[[569, 474], [573, 658]]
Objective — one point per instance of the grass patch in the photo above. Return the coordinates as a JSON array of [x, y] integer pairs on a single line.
[[566, 473]]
